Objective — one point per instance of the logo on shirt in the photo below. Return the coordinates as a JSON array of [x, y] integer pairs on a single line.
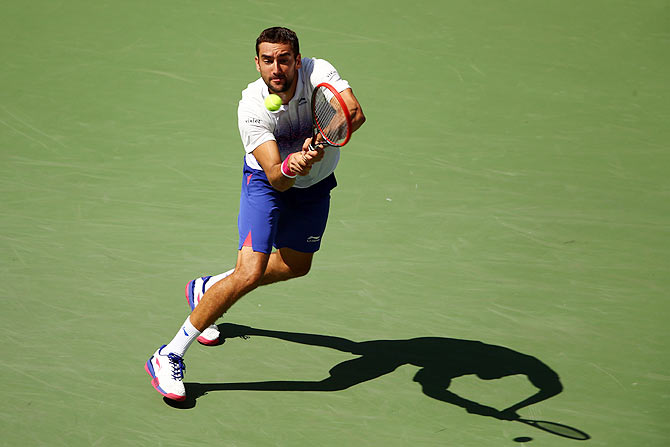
[[313, 239], [332, 74], [302, 101], [252, 121]]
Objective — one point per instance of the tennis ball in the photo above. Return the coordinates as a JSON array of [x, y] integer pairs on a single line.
[[273, 102]]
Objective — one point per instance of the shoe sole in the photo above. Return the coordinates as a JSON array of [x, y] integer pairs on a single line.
[[207, 341], [190, 299], [149, 368]]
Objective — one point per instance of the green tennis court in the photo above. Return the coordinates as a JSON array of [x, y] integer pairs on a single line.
[[509, 188]]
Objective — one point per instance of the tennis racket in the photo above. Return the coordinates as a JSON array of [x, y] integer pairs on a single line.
[[330, 117], [557, 429]]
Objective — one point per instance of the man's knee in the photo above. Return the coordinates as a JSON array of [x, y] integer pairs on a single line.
[[294, 264], [300, 270], [249, 272], [246, 280]]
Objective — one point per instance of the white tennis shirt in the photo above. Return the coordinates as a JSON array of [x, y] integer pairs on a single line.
[[292, 123]]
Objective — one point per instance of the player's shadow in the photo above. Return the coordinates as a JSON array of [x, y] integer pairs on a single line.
[[440, 360]]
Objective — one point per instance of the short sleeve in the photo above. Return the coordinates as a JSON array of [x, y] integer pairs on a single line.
[[323, 71], [254, 128]]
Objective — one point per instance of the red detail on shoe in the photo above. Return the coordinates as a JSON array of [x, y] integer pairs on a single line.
[[156, 385], [146, 368], [247, 241], [207, 341]]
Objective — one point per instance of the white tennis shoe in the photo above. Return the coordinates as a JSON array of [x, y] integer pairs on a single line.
[[195, 289], [209, 336], [167, 372]]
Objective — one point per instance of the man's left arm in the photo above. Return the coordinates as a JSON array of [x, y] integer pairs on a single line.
[[357, 120], [355, 110], [323, 71]]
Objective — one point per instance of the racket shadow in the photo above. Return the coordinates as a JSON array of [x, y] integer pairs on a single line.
[[440, 360], [555, 428]]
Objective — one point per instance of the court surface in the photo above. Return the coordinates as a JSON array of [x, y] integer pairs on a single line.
[[509, 188]]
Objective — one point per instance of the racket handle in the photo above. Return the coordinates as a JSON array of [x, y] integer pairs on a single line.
[[318, 146]]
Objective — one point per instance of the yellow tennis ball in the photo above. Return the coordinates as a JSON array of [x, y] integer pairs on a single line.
[[273, 102]]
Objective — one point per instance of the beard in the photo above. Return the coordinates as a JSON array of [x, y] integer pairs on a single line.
[[288, 83]]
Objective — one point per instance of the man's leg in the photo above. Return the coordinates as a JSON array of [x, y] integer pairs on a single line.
[[287, 263], [166, 366], [283, 264], [249, 271]]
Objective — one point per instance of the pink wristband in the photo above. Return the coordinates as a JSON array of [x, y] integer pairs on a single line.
[[286, 170]]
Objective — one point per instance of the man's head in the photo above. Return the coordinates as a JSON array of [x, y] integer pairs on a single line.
[[279, 34], [278, 59]]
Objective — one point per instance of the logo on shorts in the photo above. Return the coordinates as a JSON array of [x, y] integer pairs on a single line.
[[313, 239]]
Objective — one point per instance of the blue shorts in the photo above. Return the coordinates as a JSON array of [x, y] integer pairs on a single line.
[[294, 219]]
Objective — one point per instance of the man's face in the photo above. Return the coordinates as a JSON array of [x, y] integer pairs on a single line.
[[278, 66]]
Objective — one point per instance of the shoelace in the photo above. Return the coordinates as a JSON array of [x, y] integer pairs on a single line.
[[178, 366]]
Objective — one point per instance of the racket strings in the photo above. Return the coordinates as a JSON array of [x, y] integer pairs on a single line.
[[329, 116]]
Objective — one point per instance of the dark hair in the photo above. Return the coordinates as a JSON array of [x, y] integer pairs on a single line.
[[279, 34]]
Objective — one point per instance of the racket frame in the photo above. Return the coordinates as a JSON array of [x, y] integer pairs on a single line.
[[315, 122]]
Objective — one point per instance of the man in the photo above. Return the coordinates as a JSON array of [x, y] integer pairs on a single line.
[[284, 201]]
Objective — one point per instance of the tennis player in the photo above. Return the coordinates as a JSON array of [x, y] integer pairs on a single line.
[[284, 201]]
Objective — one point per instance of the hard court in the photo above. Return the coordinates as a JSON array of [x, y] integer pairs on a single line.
[[509, 193]]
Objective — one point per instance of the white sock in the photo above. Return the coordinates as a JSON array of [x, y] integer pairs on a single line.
[[180, 343], [214, 279]]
